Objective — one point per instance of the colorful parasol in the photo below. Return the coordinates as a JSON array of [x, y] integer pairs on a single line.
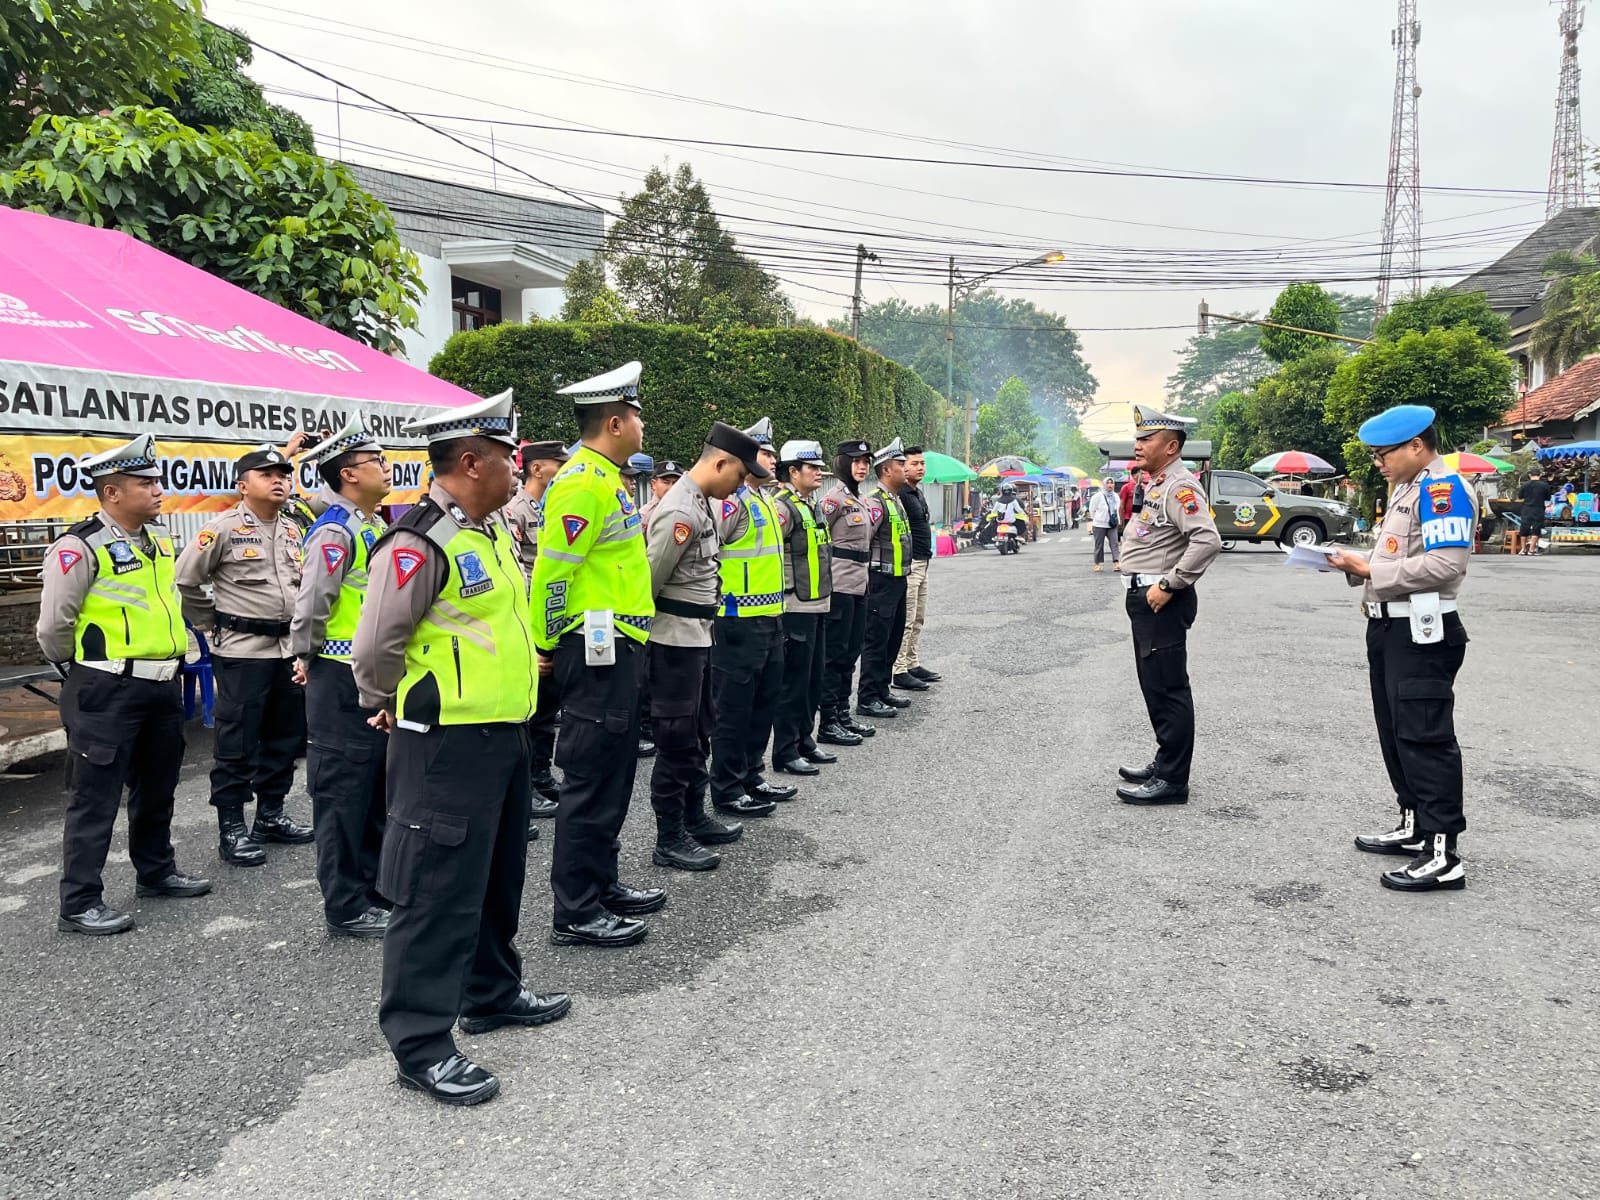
[[944, 469], [1072, 472], [1008, 465], [1292, 462], [1476, 464]]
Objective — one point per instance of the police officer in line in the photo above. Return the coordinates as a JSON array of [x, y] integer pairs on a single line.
[[592, 614], [538, 463], [1416, 643], [681, 539], [1167, 546], [638, 472], [747, 645], [850, 538], [250, 555], [344, 754], [807, 594], [909, 673], [110, 621], [444, 652], [888, 563], [666, 474]]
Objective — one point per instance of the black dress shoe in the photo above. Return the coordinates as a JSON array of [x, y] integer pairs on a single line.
[[1138, 774], [859, 728], [633, 902], [235, 846], [897, 701], [683, 853], [545, 786], [799, 766], [175, 884], [456, 1080], [822, 757], [96, 920], [907, 682], [529, 1008], [541, 807], [607, 930], [834, 734], [275, 825], [373, 923], [926, 675], [877, 708], [709, 831], [746, 806], [1153, 791], [781, 792], [647, 748]]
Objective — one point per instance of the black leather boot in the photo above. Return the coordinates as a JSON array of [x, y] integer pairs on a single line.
[[235, 846], [1402, 839], [275, 825], [1436, 869]]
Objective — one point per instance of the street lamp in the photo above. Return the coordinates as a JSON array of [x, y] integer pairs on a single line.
[[965, 286]]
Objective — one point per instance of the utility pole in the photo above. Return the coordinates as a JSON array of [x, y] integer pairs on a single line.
[[1402, 214], [966, 455], [1568, 171], [950, 352], [862, 255]]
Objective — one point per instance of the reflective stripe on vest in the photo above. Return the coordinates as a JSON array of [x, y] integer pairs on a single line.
[[346, 610], [804, 542], [133, 603], [751, 565], [899, 532]]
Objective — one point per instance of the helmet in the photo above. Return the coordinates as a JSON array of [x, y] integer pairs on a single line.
[[1008, 488]]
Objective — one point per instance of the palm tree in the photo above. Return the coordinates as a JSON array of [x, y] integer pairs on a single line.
[[1569, 329]]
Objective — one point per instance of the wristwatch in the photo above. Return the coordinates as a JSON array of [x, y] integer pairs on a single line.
[[1164, 586]]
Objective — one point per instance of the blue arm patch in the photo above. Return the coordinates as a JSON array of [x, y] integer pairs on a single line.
[[1447, 512]]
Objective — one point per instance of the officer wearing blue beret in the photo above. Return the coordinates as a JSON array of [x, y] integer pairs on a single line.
[[1416, 643]]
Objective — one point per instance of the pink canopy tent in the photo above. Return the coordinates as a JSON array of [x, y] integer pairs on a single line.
[[103, 337]]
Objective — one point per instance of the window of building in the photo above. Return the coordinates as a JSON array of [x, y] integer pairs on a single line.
[[473, 306]]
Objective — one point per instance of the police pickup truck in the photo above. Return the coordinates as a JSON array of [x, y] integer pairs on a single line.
[[1248, 510]]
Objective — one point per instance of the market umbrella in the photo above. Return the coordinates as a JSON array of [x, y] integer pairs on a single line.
[[1292, 462], [1476, 464], [1070, 472], [1008, 464], [1570, 450], [944, 469]]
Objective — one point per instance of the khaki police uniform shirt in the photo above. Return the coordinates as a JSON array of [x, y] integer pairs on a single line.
[[323, 575], [850, 526], [681, 542], [69, 573], [1400, 565], [791, 602], [1173, 535], [522, 518], [253, 568]]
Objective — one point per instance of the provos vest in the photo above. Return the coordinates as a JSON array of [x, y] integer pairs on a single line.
[[470, 660], [132, 608], [804, 536], [752, 564], [346, 609]]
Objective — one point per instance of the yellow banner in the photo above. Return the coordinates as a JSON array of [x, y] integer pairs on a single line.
[[39, 475]]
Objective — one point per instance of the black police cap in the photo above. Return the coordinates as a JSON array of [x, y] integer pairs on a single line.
[[739, 444], [668, 470], [262, 458], [854, 448]]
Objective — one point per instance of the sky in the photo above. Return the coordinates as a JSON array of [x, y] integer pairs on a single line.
[[1271, 89]]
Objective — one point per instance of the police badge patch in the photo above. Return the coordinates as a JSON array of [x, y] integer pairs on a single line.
[[680, 533], [830, 506], [68, 559], [333, 557], [475, 580], [1447, 514], [123, 558]]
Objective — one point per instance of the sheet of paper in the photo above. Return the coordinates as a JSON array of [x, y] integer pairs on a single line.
[[1310, 558]]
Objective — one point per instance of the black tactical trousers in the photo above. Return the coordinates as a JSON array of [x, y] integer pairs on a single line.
[[886, 628], [345, 776], [680, 711], [454, 859], [846, 629], [542, 727], [119, 731], [803, 663], [598, 755], [746, 677], [261, 725], [1413, 699], [1161, 653]]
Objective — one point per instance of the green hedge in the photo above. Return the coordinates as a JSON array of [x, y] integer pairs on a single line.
[[811, 383]]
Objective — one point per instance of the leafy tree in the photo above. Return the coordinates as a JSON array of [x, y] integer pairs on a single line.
[[216, 91], [81, 56], [288, 226], [1214, 364], [1071, 447], [1288, 409], [1569, 328], [1442, 308], [589, 298], [1305, 306], [1008, 426], [1232, 432], [1356, 313]]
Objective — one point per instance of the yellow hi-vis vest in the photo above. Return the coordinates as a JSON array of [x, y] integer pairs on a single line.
[[132, 609], [752, 564], [470, 659], [804, 537], [346, 611], [891, 541]]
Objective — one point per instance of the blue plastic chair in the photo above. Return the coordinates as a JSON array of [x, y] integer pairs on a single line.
[[199, 671]]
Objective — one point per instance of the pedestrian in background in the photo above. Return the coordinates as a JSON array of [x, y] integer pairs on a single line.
[[909, 673], [1103, 517], [1535, 496]]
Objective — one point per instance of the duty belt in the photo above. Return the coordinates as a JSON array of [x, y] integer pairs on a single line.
[[159, 669], [640, 623], [851, 555], [252, 625], [1133, 581], [682, 608], [1378, 610], [884, 568]]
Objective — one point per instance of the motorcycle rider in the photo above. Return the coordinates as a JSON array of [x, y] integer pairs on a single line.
[[1009, 508]]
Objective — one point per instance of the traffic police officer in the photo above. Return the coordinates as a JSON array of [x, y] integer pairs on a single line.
[[747, 647], [592, 614], [807, 593], [444, 652], [109, 619], [850, 539], [344, 754], [638, 473], [1168, 545], [681, 539], [250, 555], [1416, 643], [889, 561], [539, 462]]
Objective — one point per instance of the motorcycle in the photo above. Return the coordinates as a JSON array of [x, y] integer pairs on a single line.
[[1007, 538]]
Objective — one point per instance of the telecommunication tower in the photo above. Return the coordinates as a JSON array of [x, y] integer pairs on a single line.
[[1568, 186], [1402, 214]]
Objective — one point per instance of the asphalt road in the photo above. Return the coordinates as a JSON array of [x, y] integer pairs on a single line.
[[955, 967]]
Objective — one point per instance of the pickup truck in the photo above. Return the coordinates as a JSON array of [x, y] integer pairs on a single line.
[[1249, 510]]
